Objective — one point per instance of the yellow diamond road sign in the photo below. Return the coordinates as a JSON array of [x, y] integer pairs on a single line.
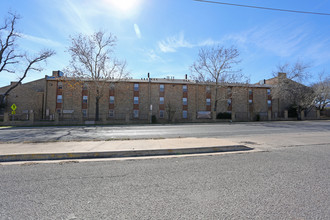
[[13, 107]]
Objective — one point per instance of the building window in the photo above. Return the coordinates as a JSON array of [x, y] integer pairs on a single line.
[[184, 101], [161, 100], [85, 86], [184, 114], [60, 85], [111, 113], [250, 101], [135, 113], [229, 102], [250, 91], [84, 113], [85, 99], [161, 87], [268, 91], [59, 111], [185, 88], [59, 99], [136, 87], [112, 86], [208, 89], [208, 101], [161, 113], [229, 90], [269, 103], [112, 100], [136, 100]]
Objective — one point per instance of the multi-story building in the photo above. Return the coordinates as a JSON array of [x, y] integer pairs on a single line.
[[140, 100]]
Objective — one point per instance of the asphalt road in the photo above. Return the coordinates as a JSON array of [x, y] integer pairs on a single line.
[[80, 133], [284, 183]]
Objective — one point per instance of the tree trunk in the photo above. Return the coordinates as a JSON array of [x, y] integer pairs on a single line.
[[298, 113], [97, 101], [215, 101]]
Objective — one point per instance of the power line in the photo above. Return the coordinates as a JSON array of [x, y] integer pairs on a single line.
[[264, 8]]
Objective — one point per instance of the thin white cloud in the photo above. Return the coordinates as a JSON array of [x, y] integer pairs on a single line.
[[173, 43], [137, 31], [42, 41], [208, 42], [274, 38]]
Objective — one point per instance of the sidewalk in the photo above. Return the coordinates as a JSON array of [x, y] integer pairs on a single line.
[[112, 149]]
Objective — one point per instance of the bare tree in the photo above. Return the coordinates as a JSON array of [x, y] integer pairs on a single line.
[[322, 91], [289, 88], [215, 66], [91, 60], [170, 110], [10, 59]]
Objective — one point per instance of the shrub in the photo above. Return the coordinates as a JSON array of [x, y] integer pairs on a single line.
[[292, 112], [224, 115], [153, 119]]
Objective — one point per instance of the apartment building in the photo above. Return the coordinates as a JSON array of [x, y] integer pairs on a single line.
[[140, 100]]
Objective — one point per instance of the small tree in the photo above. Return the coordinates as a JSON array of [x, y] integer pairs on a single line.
[[289, 87], [10, 58], [322, 91], [215, 66], [170, 110], [91, 60]]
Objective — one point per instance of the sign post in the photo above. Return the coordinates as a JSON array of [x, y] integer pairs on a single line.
[[13, 112]]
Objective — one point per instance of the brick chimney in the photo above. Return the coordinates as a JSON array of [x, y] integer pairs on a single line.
[[282, 75]]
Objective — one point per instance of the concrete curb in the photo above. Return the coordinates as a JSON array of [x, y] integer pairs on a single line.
[[118, 154]]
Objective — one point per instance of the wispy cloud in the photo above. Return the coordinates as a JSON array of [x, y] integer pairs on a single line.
[[137, 31], [274, 38], [42, 41], [171, 44]]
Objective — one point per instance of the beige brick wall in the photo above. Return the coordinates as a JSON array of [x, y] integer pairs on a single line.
[[31, 96], [27, 96]]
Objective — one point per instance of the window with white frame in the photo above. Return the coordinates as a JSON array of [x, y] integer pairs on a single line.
[[268, 91], [60, 85], [208, 101], [111, 113], [229, 102], [85, 86], [112, 100], [269, 103], [161, 87], [208, 89], [136, 100], [184, 114], [229, 90], [161, 100], [184, 88], [184, 101], [250, 101], [136, 87], [85, 99], [250, 91], [135, 113], [84, 113], [59, 99], [161, 113]]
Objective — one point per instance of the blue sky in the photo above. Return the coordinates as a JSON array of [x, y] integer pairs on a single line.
[[163, 36]]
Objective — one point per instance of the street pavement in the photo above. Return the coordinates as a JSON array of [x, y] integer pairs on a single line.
[[219, 130], [256, 136], [282, 183], [285, 176]]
